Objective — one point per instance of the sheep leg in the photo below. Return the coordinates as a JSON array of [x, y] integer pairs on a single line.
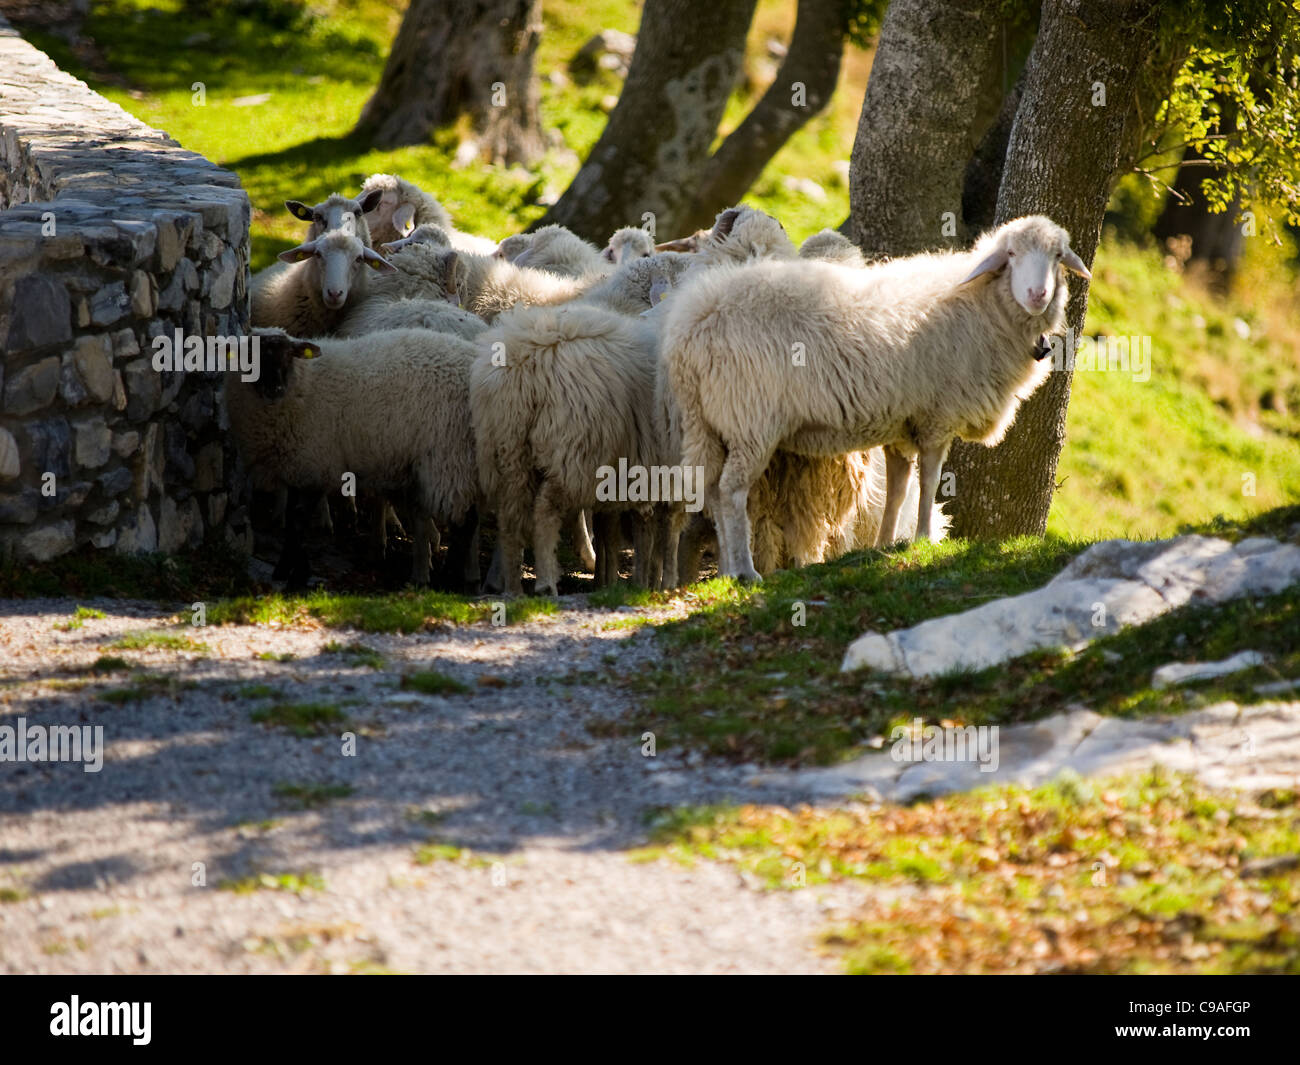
[[694, 539], [672, 519], [898, 468], [294, 566], [462, 540], [582, 540], [548, 518], [420, 560], [648, 566], [494, 581], [743, 467], [930, 462], [609, 545]]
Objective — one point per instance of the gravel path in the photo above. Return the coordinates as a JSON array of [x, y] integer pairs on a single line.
[[99, 868]]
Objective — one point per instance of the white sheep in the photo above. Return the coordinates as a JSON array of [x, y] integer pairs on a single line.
[[559, 251], [338, 213], [328, 275], [831, 246], [742, 234], [908, 354], [403, 206], [391, 408], [512, 247], [556, 394], [627, 244]]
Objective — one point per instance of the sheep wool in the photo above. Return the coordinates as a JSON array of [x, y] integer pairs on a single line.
[[391, 408], [556, 394], [908, 354]]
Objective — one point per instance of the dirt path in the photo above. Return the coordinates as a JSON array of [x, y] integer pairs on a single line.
[[99, 867]]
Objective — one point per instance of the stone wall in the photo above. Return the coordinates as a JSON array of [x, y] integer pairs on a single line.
[[111, 234]]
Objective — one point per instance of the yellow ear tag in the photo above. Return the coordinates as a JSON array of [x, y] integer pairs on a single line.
[[309, 353]]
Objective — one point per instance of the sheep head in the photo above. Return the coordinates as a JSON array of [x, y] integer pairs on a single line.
[[1031, 253], [512, 247], [630, 242], [336, 262], [276, 354], [338, 212]]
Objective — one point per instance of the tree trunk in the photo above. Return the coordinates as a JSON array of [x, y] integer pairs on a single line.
[[936, 83], [687, 58], [1061, 160], [462, 57], [802, 88]]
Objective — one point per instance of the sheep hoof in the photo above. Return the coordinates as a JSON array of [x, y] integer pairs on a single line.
[[749, 576]]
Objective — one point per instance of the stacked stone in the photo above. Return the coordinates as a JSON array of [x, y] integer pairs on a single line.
[[110, 235]]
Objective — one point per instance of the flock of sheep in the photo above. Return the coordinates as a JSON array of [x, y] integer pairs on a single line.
[[454, 379]]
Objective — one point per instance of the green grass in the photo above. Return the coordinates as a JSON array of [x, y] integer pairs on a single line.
[[431, 682], [408, 611], [277, 656], [358, 654], [303, 719], [108, 664], [78, 619], [157, 641], [742, 680], [297, 883], [1134, 875], [309, 796], [147, 686], [214, 571]]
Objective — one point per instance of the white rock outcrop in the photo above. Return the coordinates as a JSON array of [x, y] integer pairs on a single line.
[[1111, 585]]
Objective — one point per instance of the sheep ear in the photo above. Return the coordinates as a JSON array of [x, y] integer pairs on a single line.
[[608, 255], [298, 254], [377, 262], [722, 227], [394, 245], [404, 219], [1073, 263], [300, 210], [996, 261], [522, 258], [370, 200]]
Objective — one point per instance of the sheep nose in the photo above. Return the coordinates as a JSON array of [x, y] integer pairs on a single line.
[[335, 295], [1038, 295]]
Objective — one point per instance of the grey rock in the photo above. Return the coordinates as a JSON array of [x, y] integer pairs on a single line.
[[9, 466], [47, 541], [137, 534], [93, 442], [109, 304], [33, 388], [115, 482], [143, 389], [42, 314], [93, 358]]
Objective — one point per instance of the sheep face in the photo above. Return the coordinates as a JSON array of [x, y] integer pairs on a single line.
[[337, 264], [276, 353], [628, 243], [1032, 252], [512, 247], [390, 217], [336, 213]]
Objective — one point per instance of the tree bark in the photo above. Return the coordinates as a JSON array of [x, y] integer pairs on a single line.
[[802, 88], [936, 82], [687, 58], [1061, 161], [454, 58]]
